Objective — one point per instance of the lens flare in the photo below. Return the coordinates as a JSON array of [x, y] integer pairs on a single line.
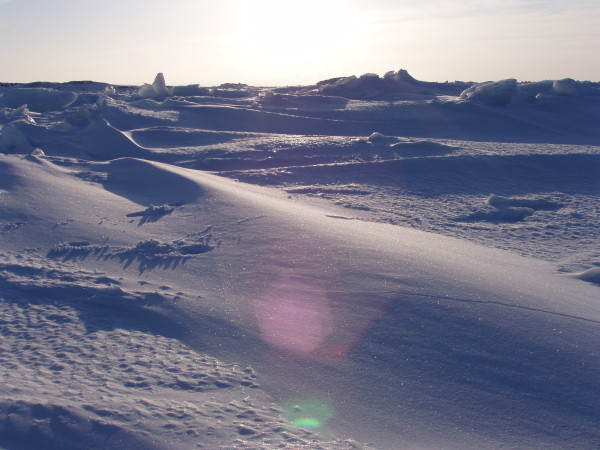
[[301, 305], [294, 314], [293, 302], [310, 413], [307, 422]]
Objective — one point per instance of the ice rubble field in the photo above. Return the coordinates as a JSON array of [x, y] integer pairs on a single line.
[[369, 262]]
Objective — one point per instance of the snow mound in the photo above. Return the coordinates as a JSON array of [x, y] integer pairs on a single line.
[[591, 275], [38, 99], [509, 209], [567, 86], [504, 92], [12, 140], [157, 89], [497, 93], [378, 138], [369, 85]]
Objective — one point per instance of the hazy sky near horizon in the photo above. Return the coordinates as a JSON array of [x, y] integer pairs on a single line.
[[279, 42]]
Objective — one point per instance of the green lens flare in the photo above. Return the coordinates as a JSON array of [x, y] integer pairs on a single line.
[[307, 422], [308, 412]]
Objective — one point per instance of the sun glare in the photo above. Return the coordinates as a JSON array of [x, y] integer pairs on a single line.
[[293, 33]]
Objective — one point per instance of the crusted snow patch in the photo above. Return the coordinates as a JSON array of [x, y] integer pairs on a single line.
[[44, 278], [508, 214], [111, 375], [509, 209], [533, 203]]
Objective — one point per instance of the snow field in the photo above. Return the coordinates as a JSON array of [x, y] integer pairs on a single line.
[[224, 268]]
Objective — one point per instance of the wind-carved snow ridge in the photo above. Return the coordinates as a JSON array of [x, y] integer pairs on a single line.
[[149, 254], [366, 262], [152, 213]]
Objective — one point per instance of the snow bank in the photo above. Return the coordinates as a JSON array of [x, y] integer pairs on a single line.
[[157, 89], [38, 99], [148, 183]]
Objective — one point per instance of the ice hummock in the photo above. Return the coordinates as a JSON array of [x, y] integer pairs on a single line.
[[157, 89]]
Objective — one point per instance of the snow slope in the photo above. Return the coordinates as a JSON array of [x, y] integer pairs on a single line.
[[417, 270]]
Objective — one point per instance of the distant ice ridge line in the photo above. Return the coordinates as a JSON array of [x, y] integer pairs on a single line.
[[38, 99]]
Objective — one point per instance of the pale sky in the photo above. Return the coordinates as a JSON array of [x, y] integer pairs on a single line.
[[279, 42]]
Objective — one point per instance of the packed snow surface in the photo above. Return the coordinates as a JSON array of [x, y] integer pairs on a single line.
[[368, 262]]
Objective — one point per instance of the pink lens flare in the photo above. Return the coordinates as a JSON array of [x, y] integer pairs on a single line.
[[301, 304], [294, 314]]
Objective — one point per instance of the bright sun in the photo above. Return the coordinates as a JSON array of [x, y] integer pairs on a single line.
[[305, 31]]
